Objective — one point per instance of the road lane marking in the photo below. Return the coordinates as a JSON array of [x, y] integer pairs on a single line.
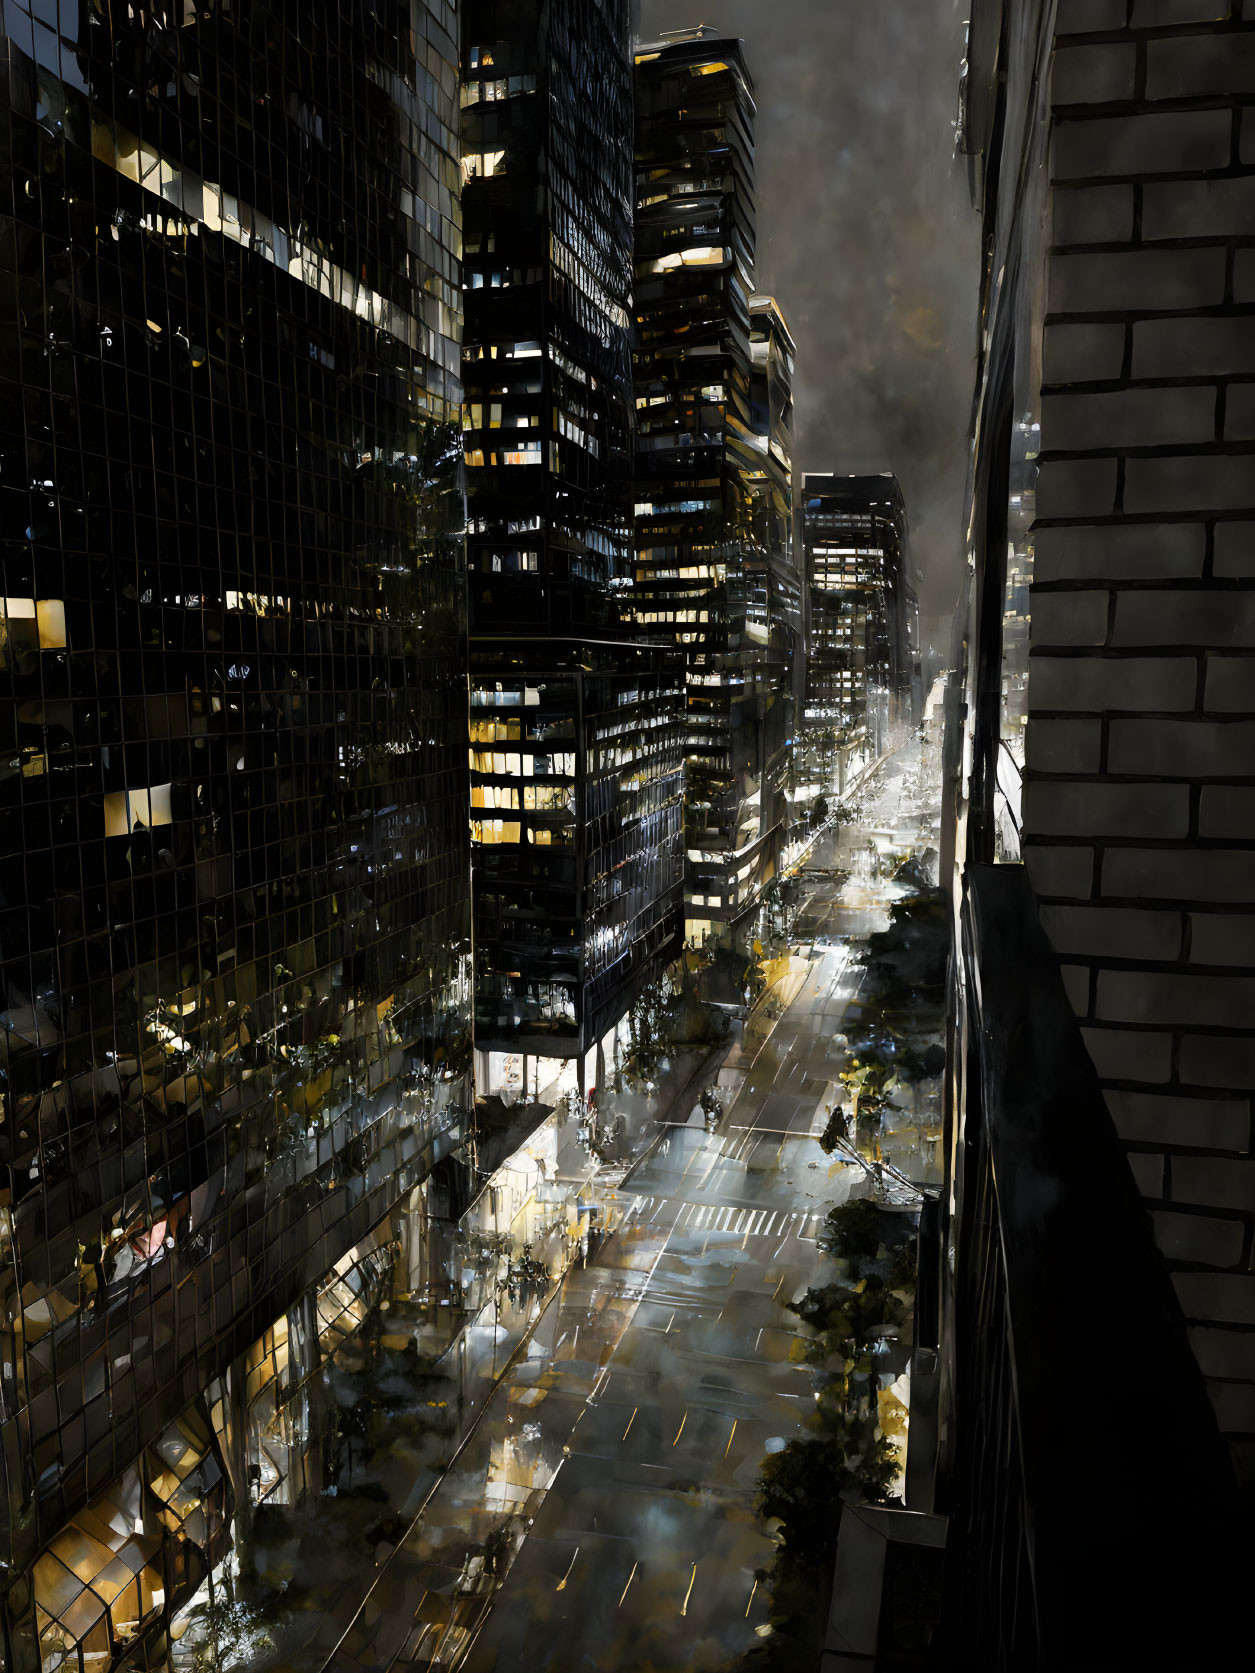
[[561, 1586], [630, 1579], [684, 1607], [680, 1430], [753, 1589], [727, 1449], [630, 1422]]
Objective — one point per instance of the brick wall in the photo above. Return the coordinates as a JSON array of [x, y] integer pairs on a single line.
[[1139, 806]]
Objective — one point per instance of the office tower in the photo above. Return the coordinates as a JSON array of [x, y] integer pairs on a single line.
[[577, 820], [774, 610], [235, 919], [862, 674], [696, 572]]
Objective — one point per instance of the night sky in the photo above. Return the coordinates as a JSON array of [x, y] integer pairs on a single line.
[[867, 238]]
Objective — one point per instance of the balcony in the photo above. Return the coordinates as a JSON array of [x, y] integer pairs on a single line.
[[1094, 1518]]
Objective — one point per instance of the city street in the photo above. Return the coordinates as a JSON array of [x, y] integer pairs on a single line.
[[602, 1512]]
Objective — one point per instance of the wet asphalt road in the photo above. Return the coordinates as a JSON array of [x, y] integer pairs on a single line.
[[616, 1465]]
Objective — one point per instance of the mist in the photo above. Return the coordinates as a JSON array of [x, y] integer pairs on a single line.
[[868, 240]]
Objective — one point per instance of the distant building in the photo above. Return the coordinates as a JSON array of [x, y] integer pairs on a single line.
[[862, 661], [776, 599], [575, 737], [702, 573], [577, 824], [235, 906]]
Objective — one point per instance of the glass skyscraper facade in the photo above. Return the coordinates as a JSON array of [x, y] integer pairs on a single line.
[[547, 126], [234, 902], [862, 666], [576, 744], [701, 573]]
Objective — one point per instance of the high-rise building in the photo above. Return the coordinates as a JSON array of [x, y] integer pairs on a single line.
[[700, 579], [547, 160], [577, 821], [774, 608], [576, 793], [234, 904], [862, 669]]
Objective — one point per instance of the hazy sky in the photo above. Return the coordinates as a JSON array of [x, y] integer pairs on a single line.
[[867, 238]]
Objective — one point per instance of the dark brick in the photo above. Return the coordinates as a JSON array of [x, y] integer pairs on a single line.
[[1076, 488], [1137, 281], [1118, 418], [1080, 17], [1223, 938], [1148, 1174], [1163, 1118], [1162, 997], [1101, 73], [1182, 748], [1154, 14], [1239, 418], [1198, 1237], [1113, 932], [1121, 551], [1082, 353], [1234, 549], [1196, 347], [1103, 685], [1187, 875], [1129, 1054], [1205, 616], [1058, 870], [1224, 1353], [1198, 208], [1074, 618], [1231, 684], [1188, 65], [1179, 142], [1227, 810], [1063, 746], [1202, 482], [1093, 215], [1219, 1060], [1054, 807], [1214, 1181], [1227, 1297]]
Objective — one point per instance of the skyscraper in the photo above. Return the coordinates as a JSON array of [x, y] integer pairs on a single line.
[[862, 673], [577, 819], [700, 574], [234, 917], [775, 605]]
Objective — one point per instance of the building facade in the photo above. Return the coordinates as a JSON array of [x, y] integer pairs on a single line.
[[547, 149], [701, 577], [578, 902], [862, 661], [577, 822], [775, 601], [1100, 830], [235, 899]]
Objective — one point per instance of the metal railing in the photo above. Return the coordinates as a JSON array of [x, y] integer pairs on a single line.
[[1095, 1521]]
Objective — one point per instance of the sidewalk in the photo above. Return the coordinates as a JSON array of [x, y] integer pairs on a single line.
[[426, 1387]]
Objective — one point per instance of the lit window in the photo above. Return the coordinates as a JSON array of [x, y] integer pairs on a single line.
[[128, 810]]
